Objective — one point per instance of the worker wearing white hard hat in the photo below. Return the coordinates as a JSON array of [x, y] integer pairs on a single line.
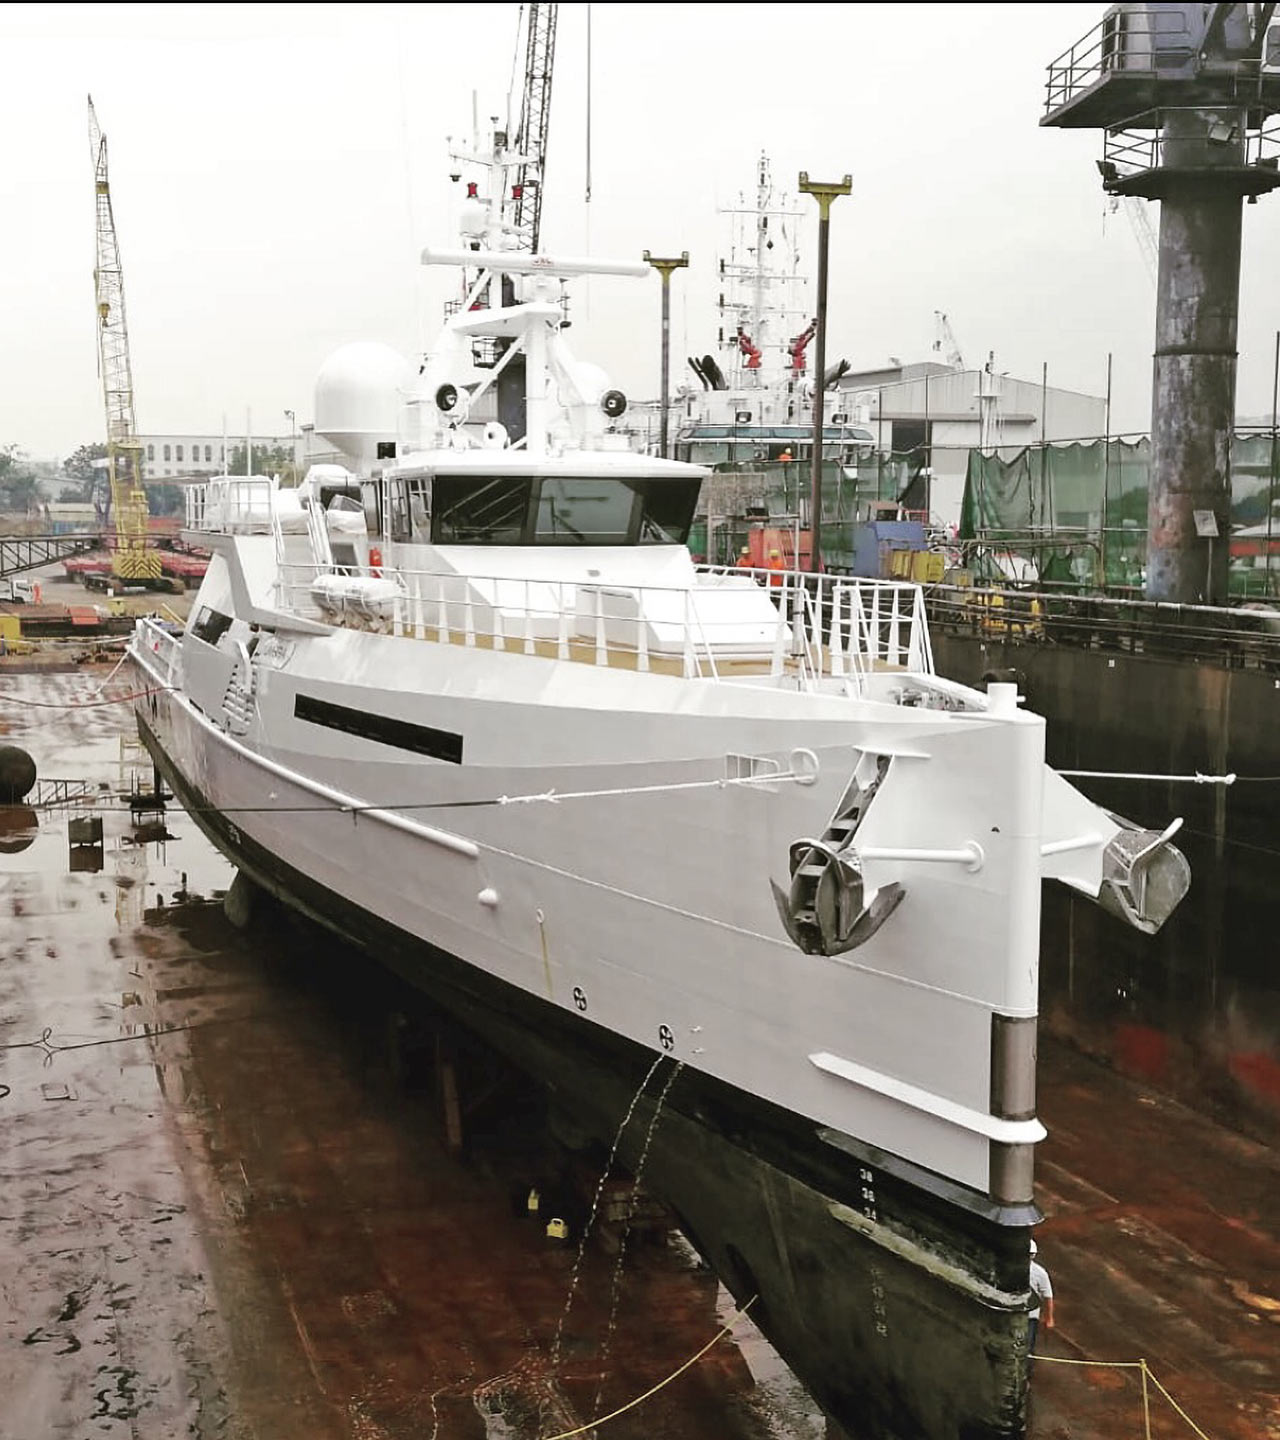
[[1041, 1296]]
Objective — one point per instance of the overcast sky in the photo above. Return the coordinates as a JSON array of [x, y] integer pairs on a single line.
[[276, 170]]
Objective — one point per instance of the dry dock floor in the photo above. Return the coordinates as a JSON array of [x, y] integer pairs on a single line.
[[226, 1210]]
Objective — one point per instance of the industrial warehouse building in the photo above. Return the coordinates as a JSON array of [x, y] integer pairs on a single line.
[[941, 413]]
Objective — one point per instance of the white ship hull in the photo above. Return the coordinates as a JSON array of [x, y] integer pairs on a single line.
[[472, 706], [608, 896], [585, 862], [874, 1275]]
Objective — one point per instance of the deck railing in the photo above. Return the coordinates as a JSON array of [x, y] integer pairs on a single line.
[[162, 647], [843, 626], [232, 503], [812, 628], [1132, 41], [1140, 143]]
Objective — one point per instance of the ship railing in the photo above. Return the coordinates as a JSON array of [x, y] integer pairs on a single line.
[[847, 627], [160, 645], [814, 630], [232, 504]]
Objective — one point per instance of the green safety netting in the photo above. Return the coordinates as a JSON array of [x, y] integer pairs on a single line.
[[1080, 509]]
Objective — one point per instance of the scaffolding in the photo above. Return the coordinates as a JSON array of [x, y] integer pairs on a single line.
[[1078, 513]]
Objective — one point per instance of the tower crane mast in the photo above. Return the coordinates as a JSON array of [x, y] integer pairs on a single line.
[[535, 119], [132, 558]]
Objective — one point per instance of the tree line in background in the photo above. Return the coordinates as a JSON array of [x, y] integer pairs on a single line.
[[267, 460], [19, 482], [27, 486], [85, 482]]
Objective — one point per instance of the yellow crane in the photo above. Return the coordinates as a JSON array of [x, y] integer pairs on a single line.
[[133, 558]]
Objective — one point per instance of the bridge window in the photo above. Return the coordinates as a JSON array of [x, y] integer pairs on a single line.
[[210, 625], [551, 510], [481, 510], [151, 452], [410, 509], [178, 448], [371, 495], [584, 512], [604, 511], [208, 454], [667, 512], [167, 455]]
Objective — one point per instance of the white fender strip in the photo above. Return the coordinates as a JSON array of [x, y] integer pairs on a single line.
[[1007, 1132], [1088, 841]]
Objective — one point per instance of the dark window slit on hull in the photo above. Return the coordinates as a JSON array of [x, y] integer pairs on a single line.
[[402, 734]]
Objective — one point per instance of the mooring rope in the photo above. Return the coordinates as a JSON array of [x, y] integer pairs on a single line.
[[1147, 1374], [10, 699], [724, 1330], [549, 797], [1195, 779]]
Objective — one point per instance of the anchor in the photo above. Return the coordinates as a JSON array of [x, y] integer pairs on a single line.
[[829, 909], [1143, 875]]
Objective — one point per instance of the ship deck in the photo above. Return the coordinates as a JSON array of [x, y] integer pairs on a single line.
[[230, 1210]]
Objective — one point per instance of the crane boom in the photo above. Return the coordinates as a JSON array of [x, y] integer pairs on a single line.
[[132, 560], [1143, 231], [946, 343], [535, 119]]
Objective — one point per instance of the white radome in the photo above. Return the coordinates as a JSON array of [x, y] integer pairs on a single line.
[[360, 394]]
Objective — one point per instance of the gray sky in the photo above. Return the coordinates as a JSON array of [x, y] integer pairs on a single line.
[[276, 170]]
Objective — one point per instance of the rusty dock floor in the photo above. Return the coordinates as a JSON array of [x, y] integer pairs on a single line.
[[227, 1207]]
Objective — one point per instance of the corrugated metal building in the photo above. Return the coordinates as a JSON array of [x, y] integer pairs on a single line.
[[942, 413]]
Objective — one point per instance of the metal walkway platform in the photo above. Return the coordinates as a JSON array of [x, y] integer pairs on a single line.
[[31, 552]]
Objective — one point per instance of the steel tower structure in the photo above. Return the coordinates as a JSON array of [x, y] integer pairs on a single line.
[[1183, 94], [535, 121], [132, 559]]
